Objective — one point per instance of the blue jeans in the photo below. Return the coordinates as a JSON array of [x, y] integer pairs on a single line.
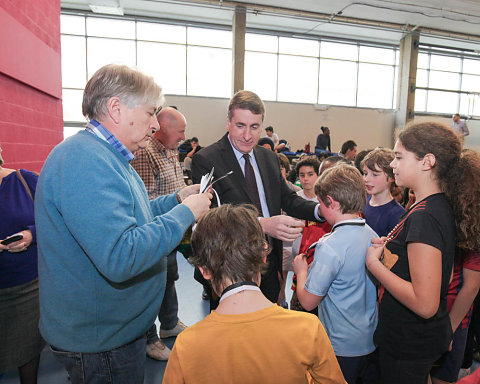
[[122, 365], [168, 314]]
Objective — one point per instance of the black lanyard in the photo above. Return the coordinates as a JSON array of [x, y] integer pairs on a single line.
[[236, 285]]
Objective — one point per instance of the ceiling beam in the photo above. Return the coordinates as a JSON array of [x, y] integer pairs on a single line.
[[330, 18]]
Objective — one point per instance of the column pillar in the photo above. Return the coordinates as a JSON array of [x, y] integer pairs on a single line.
[[239, 27], [407, 76]]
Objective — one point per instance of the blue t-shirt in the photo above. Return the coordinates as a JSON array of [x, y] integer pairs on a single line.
[[349, 309], [383, 218]]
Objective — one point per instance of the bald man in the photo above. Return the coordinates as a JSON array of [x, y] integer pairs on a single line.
[[160, 170]]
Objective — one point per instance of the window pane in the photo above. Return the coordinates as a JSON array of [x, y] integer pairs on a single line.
[[105, 51], [261, 74], [397, 57], [444, 80], [377, 55], [466, 104], [420, 100], [166, 63], [375, 86], [209, 72], [209, 37], [161, 32], [445, 63], [422, 61], [338, 82], [74, 71], [395, 88], [442, 102], [264, 43], [297, 79], [476, 104], [121, 29], [72, 105], [339, 51], [73, 25], [471, 66], [471, 83], [302, 47], [70, 131], [422, 78]]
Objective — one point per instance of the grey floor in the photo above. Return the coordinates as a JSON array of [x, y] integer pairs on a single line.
[[191, 310]]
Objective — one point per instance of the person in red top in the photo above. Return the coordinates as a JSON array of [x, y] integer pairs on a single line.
[[474, 378], [461, 292]]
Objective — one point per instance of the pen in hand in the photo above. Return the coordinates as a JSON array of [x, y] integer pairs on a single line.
[[220, 178]]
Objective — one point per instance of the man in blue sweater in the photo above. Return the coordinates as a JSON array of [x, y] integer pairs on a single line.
[[102, 243]]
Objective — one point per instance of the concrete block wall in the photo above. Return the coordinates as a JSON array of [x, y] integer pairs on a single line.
[[31, 121]]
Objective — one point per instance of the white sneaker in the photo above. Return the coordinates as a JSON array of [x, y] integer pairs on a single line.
[[158, 351], [166, 333]]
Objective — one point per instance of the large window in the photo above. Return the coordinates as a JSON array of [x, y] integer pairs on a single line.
[[447, 82], [184, 60], [324, 72], [189, 60]]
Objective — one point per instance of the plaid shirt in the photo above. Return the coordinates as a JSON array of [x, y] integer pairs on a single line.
[[159, 169], [103, 133]]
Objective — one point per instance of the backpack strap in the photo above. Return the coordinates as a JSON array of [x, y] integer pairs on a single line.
[[22, 179]]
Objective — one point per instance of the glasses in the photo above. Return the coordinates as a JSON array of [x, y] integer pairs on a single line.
[[157, 111]]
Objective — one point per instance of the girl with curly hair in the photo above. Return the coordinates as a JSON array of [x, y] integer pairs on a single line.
[[414, 263], [465, 281]]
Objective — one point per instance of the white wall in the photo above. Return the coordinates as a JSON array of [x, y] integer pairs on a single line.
[[300, 123], [297, 123]]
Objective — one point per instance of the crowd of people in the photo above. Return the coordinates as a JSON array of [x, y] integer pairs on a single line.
[[384, 245]]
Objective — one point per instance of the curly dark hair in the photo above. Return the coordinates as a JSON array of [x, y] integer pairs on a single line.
[[308, 161], [457, 172], [464, 194]]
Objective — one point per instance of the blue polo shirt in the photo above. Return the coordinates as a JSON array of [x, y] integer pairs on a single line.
[[348, 310]]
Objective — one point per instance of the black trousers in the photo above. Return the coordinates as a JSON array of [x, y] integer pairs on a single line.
[[395, 371], [473, 338]]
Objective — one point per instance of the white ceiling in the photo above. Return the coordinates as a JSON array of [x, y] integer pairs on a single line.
[[343, 18]]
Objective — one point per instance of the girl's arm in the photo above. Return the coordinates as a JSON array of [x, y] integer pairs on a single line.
[[465, 297], [422, 295]]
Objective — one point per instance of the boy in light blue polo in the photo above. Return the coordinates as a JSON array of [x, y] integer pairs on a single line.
[[337, 280]]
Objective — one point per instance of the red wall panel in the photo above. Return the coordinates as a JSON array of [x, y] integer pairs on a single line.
[[31, 121]]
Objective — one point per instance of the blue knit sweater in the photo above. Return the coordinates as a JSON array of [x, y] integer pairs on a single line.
[[102, 247]]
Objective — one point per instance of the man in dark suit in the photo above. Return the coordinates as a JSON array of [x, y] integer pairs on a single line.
[[256, 180]]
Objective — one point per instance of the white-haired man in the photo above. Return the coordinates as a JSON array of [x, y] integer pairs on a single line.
[[102, 243]]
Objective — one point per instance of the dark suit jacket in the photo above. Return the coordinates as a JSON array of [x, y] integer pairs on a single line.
[[233, 189]]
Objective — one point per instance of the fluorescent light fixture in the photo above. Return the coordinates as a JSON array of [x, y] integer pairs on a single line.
[[107, 9]]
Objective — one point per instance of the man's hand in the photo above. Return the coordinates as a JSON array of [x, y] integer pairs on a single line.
[[299, 264], [282, 227], [188, 191], [199, 204]]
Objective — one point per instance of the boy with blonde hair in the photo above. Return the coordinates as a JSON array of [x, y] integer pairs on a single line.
[[337, 280]]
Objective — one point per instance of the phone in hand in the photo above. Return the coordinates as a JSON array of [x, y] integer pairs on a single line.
[[11, 239]]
